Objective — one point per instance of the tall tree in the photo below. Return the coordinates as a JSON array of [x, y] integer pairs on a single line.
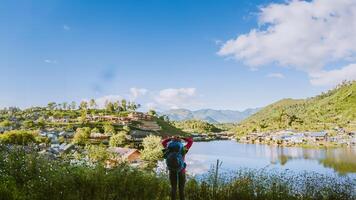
[[124, 104], [83, 105], [65, 105], [92, 104], [110, 107], [51, 105], [73, 105]]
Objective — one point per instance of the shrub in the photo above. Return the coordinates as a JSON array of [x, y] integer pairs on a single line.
[[109, 129], [81, 136], [97, 153], [152, 149], [118, 140], [19, 137]]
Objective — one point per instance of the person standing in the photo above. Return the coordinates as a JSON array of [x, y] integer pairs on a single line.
[[174, 153]]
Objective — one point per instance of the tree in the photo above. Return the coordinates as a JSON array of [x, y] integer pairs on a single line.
[[124, 104], [6, 123], [109, 107], [51, 105], [81, 136], [116, 106], [83, 116], [28, 124], [109, 129], [132, 106], [119, 108], [95, 130], [92, 104], [126, 128], [19, 137], [73, 105], [152, 112], [41, 122], [83, 105], [118, 140], [152, 149], [97, 153], [65, 105]]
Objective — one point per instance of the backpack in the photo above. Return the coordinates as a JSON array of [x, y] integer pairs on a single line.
[[174, 156]]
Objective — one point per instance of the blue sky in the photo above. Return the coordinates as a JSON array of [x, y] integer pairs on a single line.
[[162, 54]]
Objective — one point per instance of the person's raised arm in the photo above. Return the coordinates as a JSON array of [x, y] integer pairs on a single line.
[[189, 142], [165, 142]]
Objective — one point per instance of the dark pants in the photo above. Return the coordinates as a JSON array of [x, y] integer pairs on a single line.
[[177, 179]]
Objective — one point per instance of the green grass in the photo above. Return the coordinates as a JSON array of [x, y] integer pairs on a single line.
[[24, 175]]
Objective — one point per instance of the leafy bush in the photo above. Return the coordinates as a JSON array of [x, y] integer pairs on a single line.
[[109, 129], [97, 153], [152, 149], [19, 137], [118, 140], [81, 136]]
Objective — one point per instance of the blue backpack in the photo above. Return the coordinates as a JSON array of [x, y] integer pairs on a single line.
[[174, 156]]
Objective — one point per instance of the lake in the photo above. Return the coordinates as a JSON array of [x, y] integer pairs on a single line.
[[333, 161]]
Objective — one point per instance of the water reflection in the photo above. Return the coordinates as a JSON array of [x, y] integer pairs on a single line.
[[234, 155]]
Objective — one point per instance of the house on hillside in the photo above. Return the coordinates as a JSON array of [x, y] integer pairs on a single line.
[[136, 116], [295, 138], [98, 136], [128, 154], [317, 136]]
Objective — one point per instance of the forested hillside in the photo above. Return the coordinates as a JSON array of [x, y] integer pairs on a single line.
[[335, 108]]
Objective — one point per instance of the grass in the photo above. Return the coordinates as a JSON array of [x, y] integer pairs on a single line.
[[25, 175]]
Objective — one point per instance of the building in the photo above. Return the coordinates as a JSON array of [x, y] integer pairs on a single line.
[[128, 154], [317, 136], [98, 136]]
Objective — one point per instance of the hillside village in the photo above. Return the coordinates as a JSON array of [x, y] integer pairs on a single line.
[[117, 131], [296, 138]]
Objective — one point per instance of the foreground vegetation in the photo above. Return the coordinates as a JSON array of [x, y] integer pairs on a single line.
[[335, 108], [26, 175]]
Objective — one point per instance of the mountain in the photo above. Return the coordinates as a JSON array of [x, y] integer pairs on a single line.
[[335, 108], [209, 115]]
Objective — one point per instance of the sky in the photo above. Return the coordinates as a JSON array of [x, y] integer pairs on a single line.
[[224, 54]]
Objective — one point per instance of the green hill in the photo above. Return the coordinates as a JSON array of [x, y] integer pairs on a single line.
[[196, 126], [336, 107]]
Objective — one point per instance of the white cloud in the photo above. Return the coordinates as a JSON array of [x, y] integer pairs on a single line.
[[275, 75], [109, 98], [66, 27], [137, 92], [333, 77], [50, 61], [177, 98], [305, 35], [158, 100], [151, 105]]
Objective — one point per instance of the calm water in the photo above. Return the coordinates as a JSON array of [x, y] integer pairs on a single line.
[[203, 155]]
